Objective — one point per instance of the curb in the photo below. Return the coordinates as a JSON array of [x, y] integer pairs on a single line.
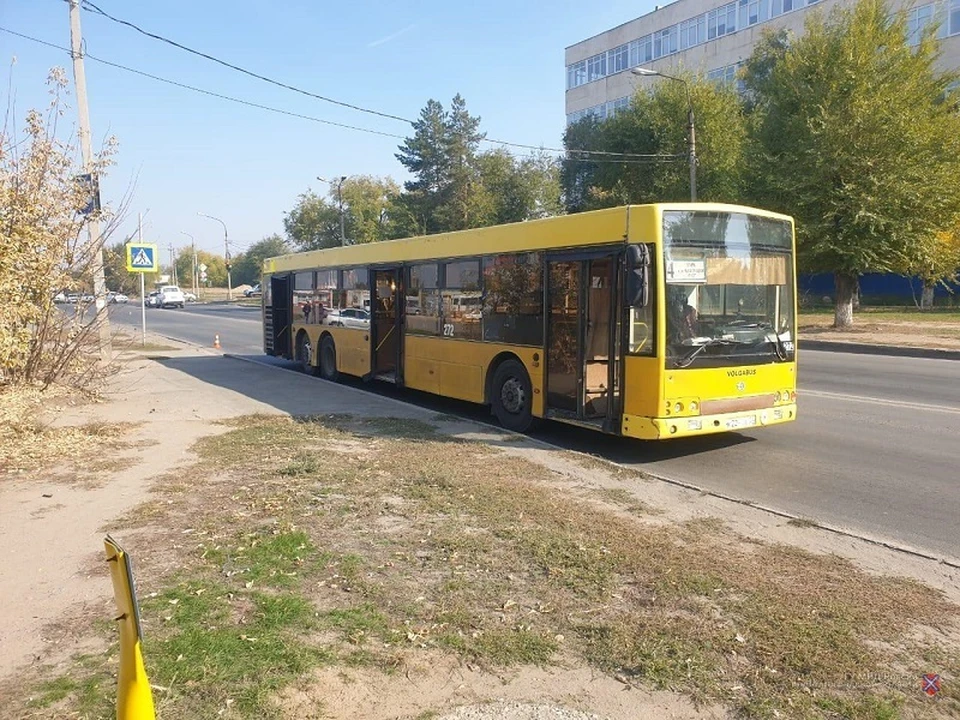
[[889, 350], [865, 537]]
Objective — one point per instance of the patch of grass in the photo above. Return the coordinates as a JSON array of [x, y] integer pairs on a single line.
[[502, 646], [51, 691], [275, 560], [304, 464], [625, 499], [356, 624], [209, 661]]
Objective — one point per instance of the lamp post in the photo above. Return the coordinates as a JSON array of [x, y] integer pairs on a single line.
[[193, 266], [691, 129], [339, 184], [226, 252]]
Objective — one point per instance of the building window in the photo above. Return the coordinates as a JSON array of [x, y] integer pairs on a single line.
[[576, 74], [665, 42], [722, 21], [618, 59], [641, 51], [597, 67], [693, 32], [954, 17], [917, 20], [423, 301]]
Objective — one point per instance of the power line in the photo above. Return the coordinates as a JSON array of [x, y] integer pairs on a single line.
[[631, 159], [87, 4]]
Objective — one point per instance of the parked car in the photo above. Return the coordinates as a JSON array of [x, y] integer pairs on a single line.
[[171, 296], [349, 317], [153, 299], [60, 297], [73, 298], [114, 297], [253, 292]]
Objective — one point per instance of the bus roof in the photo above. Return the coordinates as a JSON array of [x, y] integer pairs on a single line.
[[596, 227]]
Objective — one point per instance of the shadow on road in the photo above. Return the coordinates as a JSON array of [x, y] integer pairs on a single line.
[[301, 394]]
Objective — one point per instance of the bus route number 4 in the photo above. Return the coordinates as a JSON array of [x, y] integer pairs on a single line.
[[448, 330]]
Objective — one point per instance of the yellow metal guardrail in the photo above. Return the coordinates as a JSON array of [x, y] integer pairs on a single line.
[[134, 696]]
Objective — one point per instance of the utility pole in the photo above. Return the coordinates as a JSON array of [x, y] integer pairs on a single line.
[[86, 152], [226, 252], [193, 271], [339, 183], [143, 286], [173, 265]]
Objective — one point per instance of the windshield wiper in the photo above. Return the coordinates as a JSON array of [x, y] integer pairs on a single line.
[[685, 360]]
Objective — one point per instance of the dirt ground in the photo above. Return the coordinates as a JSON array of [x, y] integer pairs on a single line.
[[933, 331], [55, 582]]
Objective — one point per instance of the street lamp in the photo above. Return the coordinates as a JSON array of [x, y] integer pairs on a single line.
[[193, 271], [226, 252], [691, 129], [339, 184]]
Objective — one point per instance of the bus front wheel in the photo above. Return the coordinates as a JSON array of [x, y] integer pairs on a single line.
[[328, 359], [512, 396]]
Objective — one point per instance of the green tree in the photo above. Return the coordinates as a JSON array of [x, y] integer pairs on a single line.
[[853, 137], [247, 268], [314, 223], [463, 137], [511, 190], [441, 155], [425, 156], [368, 203], [655, 125], [115, 270], [216, 269]]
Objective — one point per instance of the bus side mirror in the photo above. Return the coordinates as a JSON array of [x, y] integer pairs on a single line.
[[638, 276]]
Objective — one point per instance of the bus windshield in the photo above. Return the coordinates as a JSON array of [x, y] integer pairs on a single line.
[[729, 288]]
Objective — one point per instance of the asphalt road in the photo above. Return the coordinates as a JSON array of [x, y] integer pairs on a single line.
[[875, 448]]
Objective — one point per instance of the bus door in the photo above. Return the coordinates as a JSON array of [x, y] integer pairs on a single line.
[[582, 354], [277, 302], [385, 324]]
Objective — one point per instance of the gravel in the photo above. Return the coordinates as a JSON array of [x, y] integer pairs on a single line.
[[517, 711]]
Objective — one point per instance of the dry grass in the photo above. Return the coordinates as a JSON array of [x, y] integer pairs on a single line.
[[27, 444], [880, 326], [365, 542]]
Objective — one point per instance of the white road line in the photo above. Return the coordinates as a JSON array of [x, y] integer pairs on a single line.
[[880, 401]]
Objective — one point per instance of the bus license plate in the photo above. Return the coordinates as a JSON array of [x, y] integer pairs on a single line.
[[741, 422]]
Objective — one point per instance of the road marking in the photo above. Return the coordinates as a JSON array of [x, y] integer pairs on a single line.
[[881, 401]]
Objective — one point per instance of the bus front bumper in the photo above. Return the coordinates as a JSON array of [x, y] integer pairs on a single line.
[[646, 428]]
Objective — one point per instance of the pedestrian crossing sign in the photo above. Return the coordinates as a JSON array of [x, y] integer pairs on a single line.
[[142, 257]]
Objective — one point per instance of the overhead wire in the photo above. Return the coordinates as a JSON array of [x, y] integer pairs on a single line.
[[289, 113], [92, 7]]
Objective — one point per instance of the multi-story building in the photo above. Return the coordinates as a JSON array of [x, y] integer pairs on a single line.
[[713, 37]]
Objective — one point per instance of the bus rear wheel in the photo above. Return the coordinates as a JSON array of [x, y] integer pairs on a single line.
[[512, 396], [305, 354], [328, 359]]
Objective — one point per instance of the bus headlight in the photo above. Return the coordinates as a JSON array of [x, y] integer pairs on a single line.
[[678, 408]]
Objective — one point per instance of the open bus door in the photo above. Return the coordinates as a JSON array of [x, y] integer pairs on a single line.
[[277, 304], [386, 320], [583, 349]]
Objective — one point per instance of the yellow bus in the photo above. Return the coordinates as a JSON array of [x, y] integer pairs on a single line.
[[649, 321]]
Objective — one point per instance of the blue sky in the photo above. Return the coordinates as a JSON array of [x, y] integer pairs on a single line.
[[188, 153]]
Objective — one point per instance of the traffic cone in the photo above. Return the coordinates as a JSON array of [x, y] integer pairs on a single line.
[[216, 341]]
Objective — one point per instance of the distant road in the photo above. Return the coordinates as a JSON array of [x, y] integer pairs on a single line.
[[876, 448]]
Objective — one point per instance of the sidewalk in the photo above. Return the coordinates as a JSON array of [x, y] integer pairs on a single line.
[[51, 565]]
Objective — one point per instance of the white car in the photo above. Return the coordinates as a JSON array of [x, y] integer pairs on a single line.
[[153, 299], [189, 296], [117, 297], [349, 317], [171, 296]]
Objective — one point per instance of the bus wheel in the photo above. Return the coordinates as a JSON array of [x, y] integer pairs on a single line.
[[513, 396], [305, 354], [328, 359]]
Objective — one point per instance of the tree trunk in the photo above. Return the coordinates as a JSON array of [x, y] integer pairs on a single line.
[[845, 287], [926, 299]]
